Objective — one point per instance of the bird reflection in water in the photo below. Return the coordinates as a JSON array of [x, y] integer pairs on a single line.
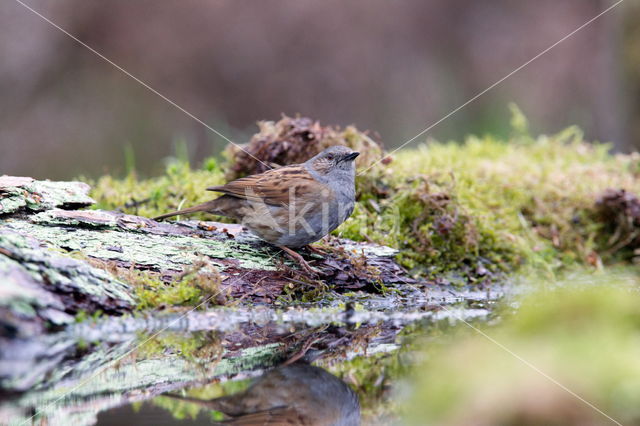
[[297, 394]]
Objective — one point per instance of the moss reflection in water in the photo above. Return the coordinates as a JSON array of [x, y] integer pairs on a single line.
[[583, 332], [183, 409], [201, 347]]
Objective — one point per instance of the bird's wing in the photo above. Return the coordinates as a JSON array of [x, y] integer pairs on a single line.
[[273, 186]]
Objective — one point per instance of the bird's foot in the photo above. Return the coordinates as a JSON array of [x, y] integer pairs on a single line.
[[317, 250], [296, 257]]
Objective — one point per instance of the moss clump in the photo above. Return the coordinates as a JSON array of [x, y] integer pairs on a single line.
[[295, 140], [181, 185], [494, 204], [619, 210], [152, 292], [481, 206], [198, 285], [583, 333]]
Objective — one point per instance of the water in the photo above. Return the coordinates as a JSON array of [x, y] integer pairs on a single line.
[[331, 363]]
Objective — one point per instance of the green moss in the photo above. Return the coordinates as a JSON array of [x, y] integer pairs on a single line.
[[195, 287], [449, 206], [179, 186], [485, 204], [581, 332], [153, 293], [198, 285]]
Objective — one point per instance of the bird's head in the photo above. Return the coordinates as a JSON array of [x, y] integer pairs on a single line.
[[334, 158]]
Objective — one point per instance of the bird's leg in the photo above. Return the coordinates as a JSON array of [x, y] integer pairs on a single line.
[[296, 257]]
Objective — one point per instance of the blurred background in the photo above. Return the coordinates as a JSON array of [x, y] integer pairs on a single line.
[[391, 67]]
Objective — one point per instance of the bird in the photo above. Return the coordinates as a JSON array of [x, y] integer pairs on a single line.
[[297, 394], [291, 206]]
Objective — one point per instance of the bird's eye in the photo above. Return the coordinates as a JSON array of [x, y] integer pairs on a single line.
[[330, 157]]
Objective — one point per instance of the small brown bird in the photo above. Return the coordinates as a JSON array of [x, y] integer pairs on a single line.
[[291, 206], [298, 394]]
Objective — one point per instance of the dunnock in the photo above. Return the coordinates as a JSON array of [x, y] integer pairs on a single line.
[[298, 394], [291, 206]]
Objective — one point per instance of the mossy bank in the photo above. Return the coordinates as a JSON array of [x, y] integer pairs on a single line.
[[456, 210]]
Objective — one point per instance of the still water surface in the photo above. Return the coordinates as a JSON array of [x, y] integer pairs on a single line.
[[305, 365]]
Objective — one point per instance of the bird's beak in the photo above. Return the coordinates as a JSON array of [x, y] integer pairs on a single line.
[[351, 157]]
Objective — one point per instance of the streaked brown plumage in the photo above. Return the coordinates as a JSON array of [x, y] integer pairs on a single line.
[[290, 206]]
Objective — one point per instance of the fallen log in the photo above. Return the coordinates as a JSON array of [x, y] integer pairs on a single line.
[[57, 261]]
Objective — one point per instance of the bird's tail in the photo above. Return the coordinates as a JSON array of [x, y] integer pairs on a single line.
[[209, 206]]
